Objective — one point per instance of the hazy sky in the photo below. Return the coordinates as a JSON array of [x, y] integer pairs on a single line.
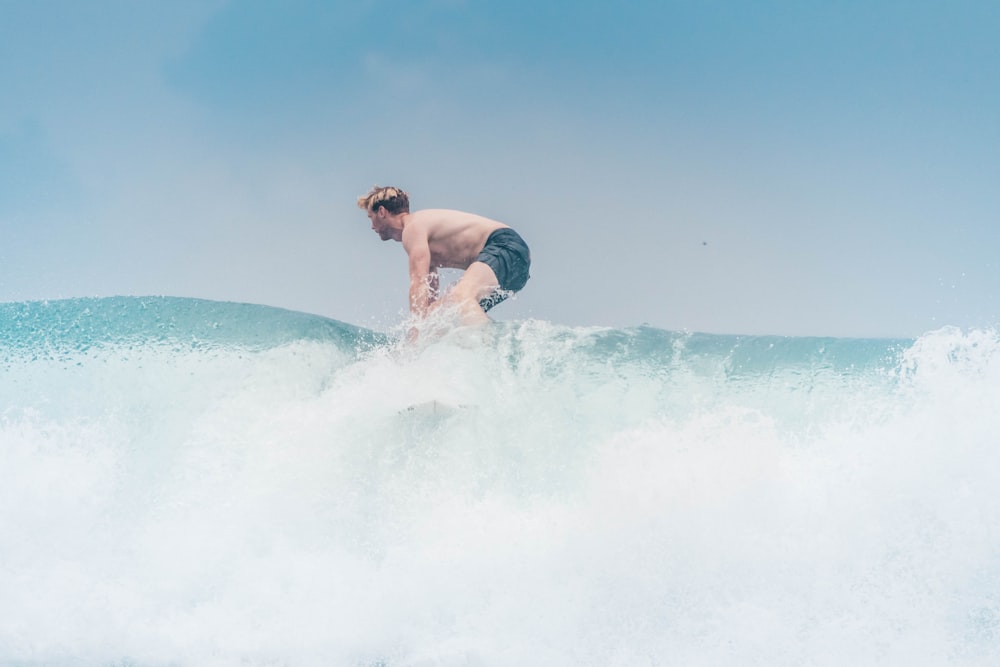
[[804, 167]]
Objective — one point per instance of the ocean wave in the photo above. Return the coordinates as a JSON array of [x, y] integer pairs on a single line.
[[191, 482]]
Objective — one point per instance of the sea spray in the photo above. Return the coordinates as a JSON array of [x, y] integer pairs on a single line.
[[190, 482]]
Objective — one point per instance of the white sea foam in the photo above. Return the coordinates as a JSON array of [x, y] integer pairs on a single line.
[[593, 497]]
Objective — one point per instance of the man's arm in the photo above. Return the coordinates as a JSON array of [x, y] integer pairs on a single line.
[[423, 278]]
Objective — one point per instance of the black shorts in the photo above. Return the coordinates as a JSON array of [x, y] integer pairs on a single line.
[[507, 254]]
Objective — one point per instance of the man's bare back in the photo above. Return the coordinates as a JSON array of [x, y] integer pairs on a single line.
[[454, 238], [495, 258]]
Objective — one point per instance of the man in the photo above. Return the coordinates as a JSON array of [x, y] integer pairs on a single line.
[[495, 257]]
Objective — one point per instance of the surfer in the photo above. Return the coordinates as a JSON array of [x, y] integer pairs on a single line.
[[495, 257]]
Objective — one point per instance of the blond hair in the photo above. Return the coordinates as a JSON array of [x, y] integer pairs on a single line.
[[392, 199]]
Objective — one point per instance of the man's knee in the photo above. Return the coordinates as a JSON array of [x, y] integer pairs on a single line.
[[478, 281], [469, 292]]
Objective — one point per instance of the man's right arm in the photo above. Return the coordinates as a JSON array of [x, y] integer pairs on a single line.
[[421, 275]]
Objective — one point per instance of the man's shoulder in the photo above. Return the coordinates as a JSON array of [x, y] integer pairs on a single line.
[[423, 218], [438, 214], [449, 217]]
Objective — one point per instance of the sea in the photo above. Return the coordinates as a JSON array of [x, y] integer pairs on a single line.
[[189, 482]]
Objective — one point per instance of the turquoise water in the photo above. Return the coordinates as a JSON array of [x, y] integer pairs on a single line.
[[188, 482]]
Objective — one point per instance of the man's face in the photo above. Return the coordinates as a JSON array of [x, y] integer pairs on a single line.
[[379, 224]]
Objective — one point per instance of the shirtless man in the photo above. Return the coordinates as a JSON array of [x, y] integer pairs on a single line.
[[495, 257]]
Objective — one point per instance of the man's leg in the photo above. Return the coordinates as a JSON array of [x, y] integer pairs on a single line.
[[477, 283]]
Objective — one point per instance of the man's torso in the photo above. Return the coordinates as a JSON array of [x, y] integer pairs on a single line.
[[454, 238]]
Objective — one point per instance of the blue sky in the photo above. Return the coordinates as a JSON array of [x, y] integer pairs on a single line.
[[799, 168]]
